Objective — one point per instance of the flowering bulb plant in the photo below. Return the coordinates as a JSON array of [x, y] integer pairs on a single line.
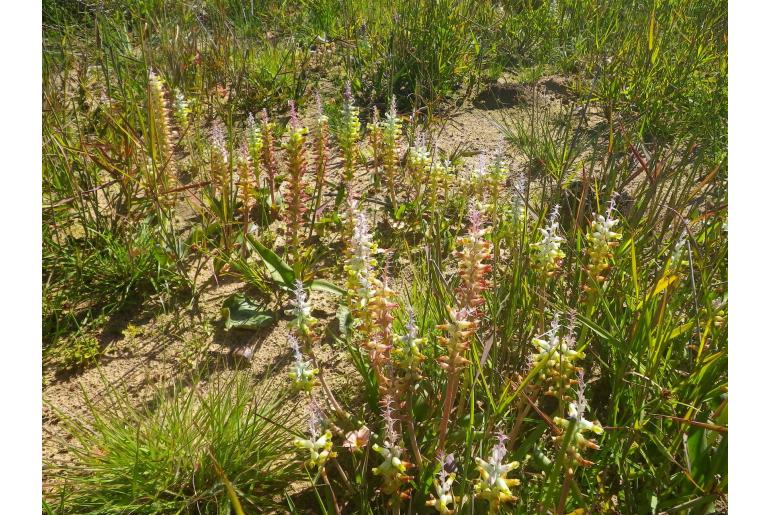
[[269, 159], [296, 195], [547, 252], [444, 501], [319, 444], [349, 135], [493, 484], [303, 322], [577, 441], [418, 161], [391, 134], [555, 360], [165, 174], [474, 250], [392, 468], [254, 144], [602, 239], [302, 373], [407, 352], [182, 109]]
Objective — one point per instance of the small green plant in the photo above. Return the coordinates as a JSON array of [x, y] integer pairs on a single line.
[[77, 351]]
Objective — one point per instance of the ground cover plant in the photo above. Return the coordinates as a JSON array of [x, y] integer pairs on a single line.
[[405, 257]]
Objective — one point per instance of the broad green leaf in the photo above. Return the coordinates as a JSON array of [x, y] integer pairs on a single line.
[[243, 313], [280, 271], [343, 318], [697, 455]]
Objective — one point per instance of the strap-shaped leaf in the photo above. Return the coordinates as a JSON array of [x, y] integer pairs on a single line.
[[280, 271], [324, 285]]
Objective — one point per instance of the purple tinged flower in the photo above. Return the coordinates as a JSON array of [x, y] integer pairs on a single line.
[[293, 115]]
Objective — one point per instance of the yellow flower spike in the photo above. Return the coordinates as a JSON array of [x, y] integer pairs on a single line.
[[579, 441], [493, 485], [444, 498], [547, 252], [601, 240], [302, 372], [392, 469], [319, 448], [302, 321], [556, 359], [391, 133], [349, 135], [164, 136], [407, 353]]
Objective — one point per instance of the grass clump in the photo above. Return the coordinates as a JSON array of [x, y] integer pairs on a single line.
[[192, 450]]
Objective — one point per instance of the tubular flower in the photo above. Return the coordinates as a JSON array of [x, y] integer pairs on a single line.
[[393, 467], [475, 249], [418, 161], [495, 183], [163, 134], [362, 283], [302, 372], [181, 109], [219, 159], [601, 240], [320, 449], [269, 161], [254, 144], [302, 322], [407, 352], [579, 443], [349, 134], [319, 445], [493, 485], [296, 196], [444, 498], [459, 330], [555, 360], [391, 133], [320, 147], [548, 253]]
